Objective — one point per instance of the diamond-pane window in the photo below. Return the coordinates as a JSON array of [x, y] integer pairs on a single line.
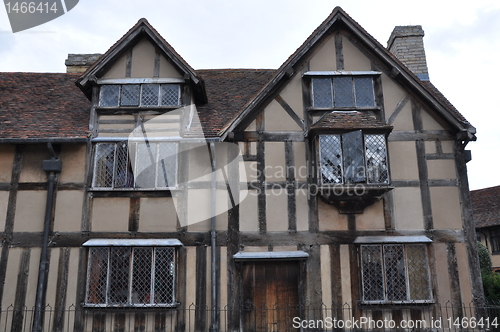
[[322, 92], [150, 94], [109, 95], [125, 165], [363, 86], [130, 95], [331, 159], [353, 157], [395, 273], [376, 159], [342, 91], [170, 95], [131, 276]]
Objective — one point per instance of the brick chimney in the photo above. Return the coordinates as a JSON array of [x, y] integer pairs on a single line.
[[407, 44], [78, 63]]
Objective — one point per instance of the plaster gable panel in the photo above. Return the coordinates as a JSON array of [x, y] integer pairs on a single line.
[[252, 126], [74, 255], [441, 169], [275, 161], [354, 59], [4, 201], [167, 70], [197, 207], [30, 211], [143, 59], [118, 69], [372, 217], [33, 158], [7, 153], [292, 94], [325, 58], [330, 219], [429, 123], [299, 154], [408, 212], [73, 158], [68, 215], [463, 272], [446, 211], [157, 215], [11, 274], [326, 274], [110, 214], [403, 160], [249, 220], [404, 120], [302, 210], [277, 119], [53, 276], [393, 94], [447, 146], [32, 277], [276, 210], [442, 274], [430, 147]]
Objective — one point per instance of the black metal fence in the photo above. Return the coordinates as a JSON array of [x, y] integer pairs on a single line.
[[360, 317]]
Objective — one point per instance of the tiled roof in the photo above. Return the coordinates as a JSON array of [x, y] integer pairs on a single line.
[[42, 106], [486, 206], [349, 120], [227, 91]]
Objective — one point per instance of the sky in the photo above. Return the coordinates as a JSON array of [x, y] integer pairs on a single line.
[[462, 44]]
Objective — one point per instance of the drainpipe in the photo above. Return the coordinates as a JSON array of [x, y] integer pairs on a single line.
[[52, 167], [214, 327]]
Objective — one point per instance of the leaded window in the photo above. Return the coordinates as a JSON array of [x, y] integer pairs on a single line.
[[140, 95], [126, 165], [343, 91], [495, 242], [353, 157], [131, 276], [395, 273]]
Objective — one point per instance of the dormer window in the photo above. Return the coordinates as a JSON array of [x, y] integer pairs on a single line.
[[342, 90], [140, 95]]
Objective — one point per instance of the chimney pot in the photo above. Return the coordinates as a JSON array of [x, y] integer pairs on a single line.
[[407, 44]]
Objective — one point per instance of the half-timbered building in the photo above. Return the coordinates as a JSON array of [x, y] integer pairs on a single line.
[[125, 207]]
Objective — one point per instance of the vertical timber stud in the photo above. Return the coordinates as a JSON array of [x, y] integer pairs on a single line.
[[290, 186], [339, 52], [53, 167], [423, 172], [336, 281], [314, 289], [261, 174], [233, 244], [181, 293], [21, 290], [469, 230], [62, 285], [456, 297], [200, 314], [9, 219]]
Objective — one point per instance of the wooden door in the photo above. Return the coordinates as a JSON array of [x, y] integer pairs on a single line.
[[270, 296]]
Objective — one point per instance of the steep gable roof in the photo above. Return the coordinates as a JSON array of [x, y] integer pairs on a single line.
[[140, 30], [486, 206], [397, 69]]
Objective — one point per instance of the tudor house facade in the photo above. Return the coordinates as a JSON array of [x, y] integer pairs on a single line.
[[120, 189]]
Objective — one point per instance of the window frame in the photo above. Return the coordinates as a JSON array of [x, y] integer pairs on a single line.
[[167, 245], [310, 76], [341, 156], [495, 242], [141, 84], [131, 167], [407, 272]]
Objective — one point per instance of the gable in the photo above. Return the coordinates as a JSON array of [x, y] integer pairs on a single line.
[[143, 60]]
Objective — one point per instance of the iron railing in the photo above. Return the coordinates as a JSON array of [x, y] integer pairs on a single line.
[[361, 317]]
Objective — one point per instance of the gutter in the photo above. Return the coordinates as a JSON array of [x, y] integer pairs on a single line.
[[214, 326], [52, 167]]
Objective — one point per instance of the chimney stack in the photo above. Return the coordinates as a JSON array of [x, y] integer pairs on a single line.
[[78, 63], [407, 44]]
